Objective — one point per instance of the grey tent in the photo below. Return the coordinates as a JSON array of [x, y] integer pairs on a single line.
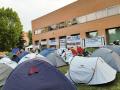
[[5, 70], [55, 59], [115, 48], [109, 56]]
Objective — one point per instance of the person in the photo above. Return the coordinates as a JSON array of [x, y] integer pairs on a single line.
[[80, 50], [116, 42], [18, 54], [74, 52]]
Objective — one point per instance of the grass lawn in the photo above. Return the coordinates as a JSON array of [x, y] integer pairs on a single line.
[[115, 85]]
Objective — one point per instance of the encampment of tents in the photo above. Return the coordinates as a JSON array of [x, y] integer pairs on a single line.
[[109, 56], [37, 75], [90, 70]]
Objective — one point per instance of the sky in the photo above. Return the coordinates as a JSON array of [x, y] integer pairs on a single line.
[[29, 10]]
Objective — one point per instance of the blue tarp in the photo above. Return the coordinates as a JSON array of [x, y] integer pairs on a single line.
[[37, 75]]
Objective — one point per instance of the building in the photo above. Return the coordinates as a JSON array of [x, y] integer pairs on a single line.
[[84, 18]]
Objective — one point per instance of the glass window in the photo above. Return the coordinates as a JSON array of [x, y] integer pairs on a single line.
[[36, 32], [54, 26], [74, 21], [39, 31], [113, 10], [92, 34], [81, 19], [62, 25], [91, 17], [101, 14], [113, 34]]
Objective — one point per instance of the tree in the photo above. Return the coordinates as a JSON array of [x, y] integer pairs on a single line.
[[30, 37], [10, 29], [21, 42]]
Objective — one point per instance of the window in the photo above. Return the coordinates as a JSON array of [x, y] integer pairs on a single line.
[[36, 32], [62, 25], [113, 10], [37, 42], [91, 17], [54, 26], [113, 34], [101, 14], [74, 21], [81, 19], [91, 34]]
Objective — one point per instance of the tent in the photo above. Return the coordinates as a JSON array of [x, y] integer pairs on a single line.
[[90, 70], [5, 70], [8, 62], [56, 59], [47, 51], [114, 48], [37, 75], [109, 56], [31, 56]]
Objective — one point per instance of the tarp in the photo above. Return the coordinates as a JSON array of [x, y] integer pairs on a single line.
[[5, 70], [37, 75], [90, 70], [109, 56], [56, 60], [47, 51]]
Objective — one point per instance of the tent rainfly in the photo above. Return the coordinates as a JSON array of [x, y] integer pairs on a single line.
[[37, 75], [90, 70], [109, 56], [56, 59]]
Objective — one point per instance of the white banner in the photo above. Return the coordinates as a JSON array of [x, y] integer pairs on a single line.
[[73, 41], [53, 42], [94, 42], [63, 43]]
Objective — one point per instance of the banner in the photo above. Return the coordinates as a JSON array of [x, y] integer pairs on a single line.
[[94, 42], [53, 42], [63, 43], [73, 41]]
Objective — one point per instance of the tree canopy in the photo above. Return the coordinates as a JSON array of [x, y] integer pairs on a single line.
[[10, 29]]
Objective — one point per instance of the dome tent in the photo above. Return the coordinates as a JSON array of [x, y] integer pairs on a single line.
[[109, 56], [56, 59], [114, 48], [47, 51], [90, 70], [8, 62], [5, 70], [37, 75]]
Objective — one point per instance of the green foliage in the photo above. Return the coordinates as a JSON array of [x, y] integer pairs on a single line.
[[10, 29], [21, 42], [30, 37]]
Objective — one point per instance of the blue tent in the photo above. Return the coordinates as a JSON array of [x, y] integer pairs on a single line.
[[47, 51], [37, 75]]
